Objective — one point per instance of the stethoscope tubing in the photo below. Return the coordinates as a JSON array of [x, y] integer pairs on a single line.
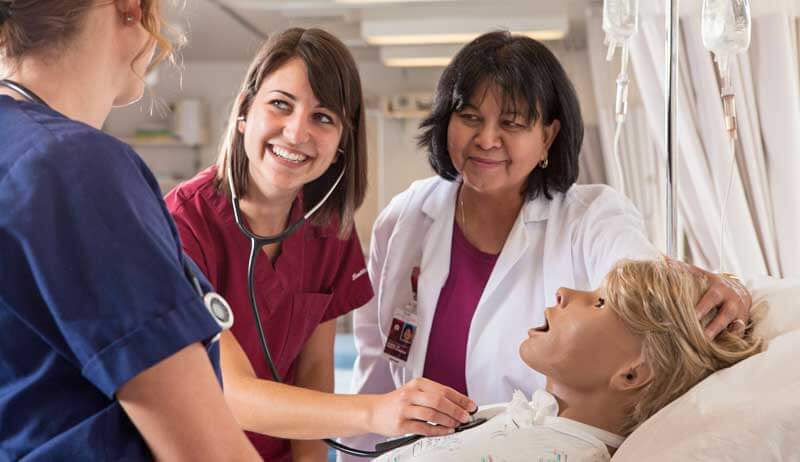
[[255, 247], [257, 242], [23, 91], [211, 299]]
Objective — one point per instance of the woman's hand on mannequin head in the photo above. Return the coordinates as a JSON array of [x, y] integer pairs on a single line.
[[421, 407], [732, 299]]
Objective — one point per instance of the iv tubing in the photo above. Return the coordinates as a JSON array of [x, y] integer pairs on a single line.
[[620, 108], [729, 114], [671, 123], [723, 215]]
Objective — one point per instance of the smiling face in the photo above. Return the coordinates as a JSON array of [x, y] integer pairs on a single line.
[[493, 147], [289, 138], [584, 344]]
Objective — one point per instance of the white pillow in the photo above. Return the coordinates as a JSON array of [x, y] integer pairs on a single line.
[[748, 412], [776, 306]]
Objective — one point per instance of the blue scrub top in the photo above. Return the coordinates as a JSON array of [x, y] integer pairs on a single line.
[[92, 288]]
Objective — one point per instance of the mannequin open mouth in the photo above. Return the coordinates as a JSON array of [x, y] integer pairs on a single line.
[[543, 328]]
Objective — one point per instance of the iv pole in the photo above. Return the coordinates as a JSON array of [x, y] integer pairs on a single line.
[[671, 123]]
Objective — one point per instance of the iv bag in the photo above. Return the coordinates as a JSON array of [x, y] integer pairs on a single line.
[[620, 19], [726, 28]]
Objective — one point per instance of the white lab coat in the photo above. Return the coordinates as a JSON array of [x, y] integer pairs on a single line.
[[571, 241]]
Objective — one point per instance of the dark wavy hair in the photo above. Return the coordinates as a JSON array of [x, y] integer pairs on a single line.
[[525, 71]]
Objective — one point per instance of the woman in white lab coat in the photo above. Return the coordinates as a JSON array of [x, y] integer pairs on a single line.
[[471, 258]]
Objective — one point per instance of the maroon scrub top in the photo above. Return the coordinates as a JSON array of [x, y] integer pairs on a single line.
[[316, 278], [470, 269]]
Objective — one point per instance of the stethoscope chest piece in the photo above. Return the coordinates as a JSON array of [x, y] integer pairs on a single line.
[[219, 309]]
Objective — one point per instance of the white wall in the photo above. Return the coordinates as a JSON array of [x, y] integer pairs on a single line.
[[215, 83], [402, 161]]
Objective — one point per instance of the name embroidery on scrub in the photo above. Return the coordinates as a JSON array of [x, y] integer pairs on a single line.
[[404, 327]]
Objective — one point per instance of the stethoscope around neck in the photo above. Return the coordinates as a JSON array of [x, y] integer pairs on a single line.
[[23, 91], [216, 305], [257, 242]]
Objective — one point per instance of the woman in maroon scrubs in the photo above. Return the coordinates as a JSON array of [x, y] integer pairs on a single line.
[[298, 121]]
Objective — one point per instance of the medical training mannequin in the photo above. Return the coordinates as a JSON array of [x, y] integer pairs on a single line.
[[297, 123], [107, 349], [502, 224], [613, 357]]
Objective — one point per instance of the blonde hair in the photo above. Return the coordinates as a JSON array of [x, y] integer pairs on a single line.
[[34, 26], [153, 22], [656, 300]]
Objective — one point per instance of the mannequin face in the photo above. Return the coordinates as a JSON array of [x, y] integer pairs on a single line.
[[584, 345]]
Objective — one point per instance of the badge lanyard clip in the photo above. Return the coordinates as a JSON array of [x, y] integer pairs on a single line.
[[404, 327]]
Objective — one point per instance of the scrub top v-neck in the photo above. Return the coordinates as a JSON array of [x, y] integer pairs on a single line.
[[92, 288], [315, 278]]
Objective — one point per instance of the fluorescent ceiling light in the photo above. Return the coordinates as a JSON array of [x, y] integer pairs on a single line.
[[458, 30], [418, 56], [542, 35], [433, 61], [367, 2]]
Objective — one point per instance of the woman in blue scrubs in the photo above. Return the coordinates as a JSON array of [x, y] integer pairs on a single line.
[[107, 351]]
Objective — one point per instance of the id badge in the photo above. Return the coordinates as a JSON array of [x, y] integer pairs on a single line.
[[401, 335], [403, 328]]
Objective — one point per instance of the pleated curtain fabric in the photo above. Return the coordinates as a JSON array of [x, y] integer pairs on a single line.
[[642, 166], [763, 211]]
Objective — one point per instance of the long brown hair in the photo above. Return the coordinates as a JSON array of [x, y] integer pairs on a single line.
[[334, 79], [34, 26]]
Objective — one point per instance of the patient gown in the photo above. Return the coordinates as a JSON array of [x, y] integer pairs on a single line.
[[516, 432]]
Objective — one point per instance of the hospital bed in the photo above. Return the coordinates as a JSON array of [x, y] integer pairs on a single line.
[[748, 412]]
